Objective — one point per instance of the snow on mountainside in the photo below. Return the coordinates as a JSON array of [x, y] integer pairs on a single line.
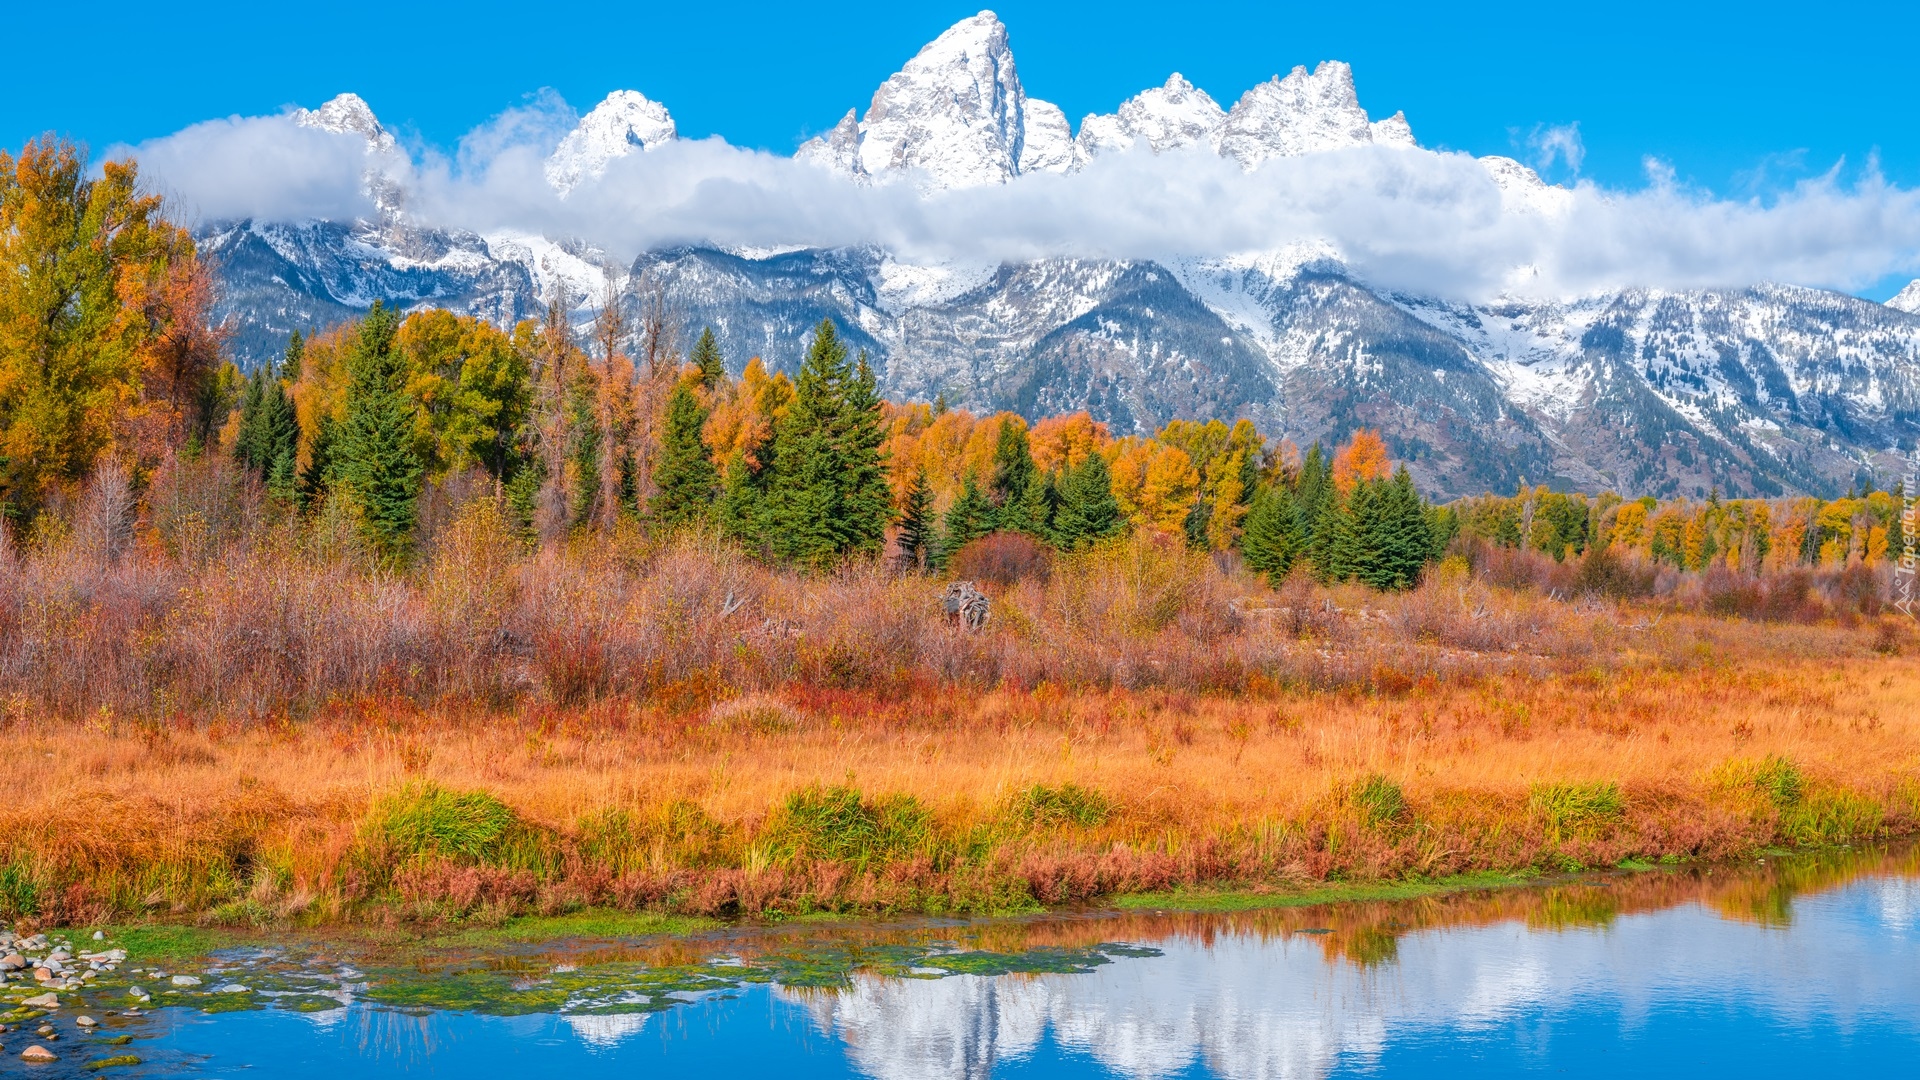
[[626, 121], [1908, 299], [1752, 391]]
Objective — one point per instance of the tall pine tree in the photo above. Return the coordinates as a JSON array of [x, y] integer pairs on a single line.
[[377, 465], [1270, 536], [1401, 535], [1013, 466], [969, 518], [1087, 512], [916, 522], [707, 358], [829, 497], [684, 477]]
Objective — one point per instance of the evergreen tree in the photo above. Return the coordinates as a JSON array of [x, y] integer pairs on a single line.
[[1087, 512], [377, 463], [1399, 535], [278, 434], [283, 484], [828, 497], [706, 357], [684, 475], [247, 448], [968, 519], [581, 467], [1032, 512], [1012, 465], [742, 508], [290, 363], [1343, 525], [1315, 507], [1270, 536], [916, 522]]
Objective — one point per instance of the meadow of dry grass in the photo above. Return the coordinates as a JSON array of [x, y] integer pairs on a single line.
[[263, 728]]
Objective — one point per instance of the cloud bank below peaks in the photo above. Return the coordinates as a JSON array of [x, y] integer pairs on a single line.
[[1432, 222]]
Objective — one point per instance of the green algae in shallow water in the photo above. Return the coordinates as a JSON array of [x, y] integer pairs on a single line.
[[306, 1003], [113, 1062]]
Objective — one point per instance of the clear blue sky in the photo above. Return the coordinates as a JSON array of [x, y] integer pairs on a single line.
[[1738, 97]]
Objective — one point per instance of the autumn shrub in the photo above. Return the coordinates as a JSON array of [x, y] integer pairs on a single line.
[[1619, 575], [1002, 558]]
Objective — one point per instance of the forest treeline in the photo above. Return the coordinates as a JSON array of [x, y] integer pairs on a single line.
[[110, 360]]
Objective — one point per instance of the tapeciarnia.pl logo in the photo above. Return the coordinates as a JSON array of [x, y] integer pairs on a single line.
[[1903, 571]]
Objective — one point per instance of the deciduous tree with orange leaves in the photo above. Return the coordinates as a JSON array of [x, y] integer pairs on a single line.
[[100, 296]]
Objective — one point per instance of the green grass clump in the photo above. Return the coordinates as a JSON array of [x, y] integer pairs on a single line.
[[1379, 801], [19, 892], [1576, 809], [838, 824], [1831, 817], [1067, 804], [1773, 778], [428, 821]]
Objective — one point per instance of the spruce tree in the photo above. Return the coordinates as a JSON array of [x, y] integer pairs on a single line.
[[290, 363], [1315, 507], [283, 483], [1402, 534], [968, 519], [1340, 533], [246, 446], [828, 497], [1270, 535], [279, 429], [684, 477], [1012, 466], [377, 463], [916, 522], [742, 507], [706, 357], [1032, 512], [1087, 512]]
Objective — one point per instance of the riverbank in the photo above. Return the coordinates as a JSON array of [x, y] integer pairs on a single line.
[[1698, 739]]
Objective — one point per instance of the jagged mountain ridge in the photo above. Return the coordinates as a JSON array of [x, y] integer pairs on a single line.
[[1753, 391]]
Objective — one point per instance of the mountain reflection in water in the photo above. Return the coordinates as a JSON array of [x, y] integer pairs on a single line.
[[1807, 962]]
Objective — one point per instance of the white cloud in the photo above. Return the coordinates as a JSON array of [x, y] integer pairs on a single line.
[[263, 166], [1411, 219], [1558, 142]]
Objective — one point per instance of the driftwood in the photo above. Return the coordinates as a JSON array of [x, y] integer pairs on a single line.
[[965, 604]]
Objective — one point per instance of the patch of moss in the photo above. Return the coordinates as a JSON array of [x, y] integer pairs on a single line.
[[581, 924], [113, 1062]]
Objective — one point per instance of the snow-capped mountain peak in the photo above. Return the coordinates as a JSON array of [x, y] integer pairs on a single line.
[[626, 121], [1908, 299], [1300, 114], [1174, 115], [957, 113], [1394, 131], [347, 114]]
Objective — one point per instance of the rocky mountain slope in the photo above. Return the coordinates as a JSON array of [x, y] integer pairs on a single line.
[[1759, 390]]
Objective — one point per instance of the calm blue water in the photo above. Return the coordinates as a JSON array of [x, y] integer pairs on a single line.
[[1826, 982]]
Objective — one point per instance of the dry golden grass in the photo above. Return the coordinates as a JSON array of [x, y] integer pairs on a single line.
[[275, 820], [236, 719]]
